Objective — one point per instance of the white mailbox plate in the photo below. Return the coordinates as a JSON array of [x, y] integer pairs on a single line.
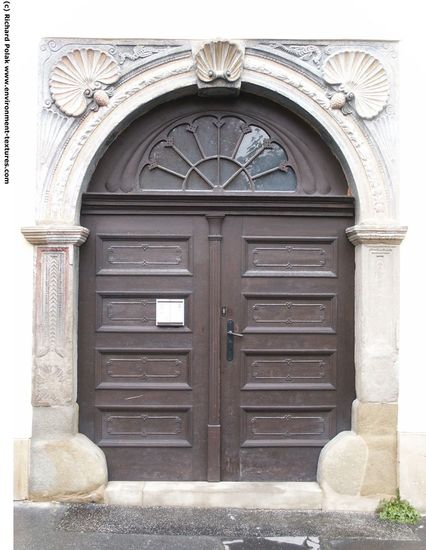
[[170, 312]]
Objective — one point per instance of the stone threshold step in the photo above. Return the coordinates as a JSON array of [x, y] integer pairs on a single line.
[[222, 494]]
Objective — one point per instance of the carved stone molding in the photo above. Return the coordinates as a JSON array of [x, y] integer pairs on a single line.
[[54, 320], [372, 190], [305, 52], [138, 73], [219, 65], [219, 59], [139, 52], [53, 126], [361, 80], [52, 373], [53, 370], [376, 235], [384, 132], [76, 80], [369, 181], [52, 329], [292, 78], [163, 62], [56, 235]]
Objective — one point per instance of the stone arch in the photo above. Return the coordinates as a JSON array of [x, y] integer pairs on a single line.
[[57, 236], [60, 199]]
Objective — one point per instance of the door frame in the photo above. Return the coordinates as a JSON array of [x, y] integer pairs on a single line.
[[215, 210], [67, 466]]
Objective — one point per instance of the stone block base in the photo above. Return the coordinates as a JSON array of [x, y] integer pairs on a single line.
[[377, 424], [21, 454], [71, 468], [363, 462], [342, 464]]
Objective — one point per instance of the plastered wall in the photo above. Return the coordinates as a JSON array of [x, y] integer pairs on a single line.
[[31, 21]]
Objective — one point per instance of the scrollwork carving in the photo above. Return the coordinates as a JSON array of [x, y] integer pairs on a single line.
[[305, 52], [139, 52]]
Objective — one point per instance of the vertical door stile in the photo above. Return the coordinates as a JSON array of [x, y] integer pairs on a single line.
[[213, 435]]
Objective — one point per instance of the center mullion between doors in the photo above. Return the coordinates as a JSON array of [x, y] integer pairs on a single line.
[[215, 268]]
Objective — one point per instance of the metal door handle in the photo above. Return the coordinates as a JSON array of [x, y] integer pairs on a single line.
[[235, 333], [230, 339]]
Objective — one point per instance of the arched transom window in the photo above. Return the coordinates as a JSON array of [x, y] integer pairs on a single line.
[[216, 147], [217, 153]]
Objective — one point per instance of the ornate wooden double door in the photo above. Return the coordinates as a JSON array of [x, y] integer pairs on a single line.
[[254, 374]]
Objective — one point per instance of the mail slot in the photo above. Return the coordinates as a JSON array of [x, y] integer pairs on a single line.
[[170, 312]]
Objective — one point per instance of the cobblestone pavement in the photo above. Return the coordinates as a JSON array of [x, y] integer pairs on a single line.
[[52, 526]]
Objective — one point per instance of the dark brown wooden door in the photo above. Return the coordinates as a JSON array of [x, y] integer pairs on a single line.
[[143, 388], [166, 403], [288, 389]]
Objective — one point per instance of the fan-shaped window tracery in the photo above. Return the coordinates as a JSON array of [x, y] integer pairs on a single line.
[[217, 153]]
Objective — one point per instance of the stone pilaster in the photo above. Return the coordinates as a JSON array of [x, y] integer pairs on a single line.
[[55, 330], [377, 311], [363, 461], [63, 463]]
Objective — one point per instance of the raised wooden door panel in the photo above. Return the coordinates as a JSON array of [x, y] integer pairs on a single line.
[[288, 286], [143, 388]]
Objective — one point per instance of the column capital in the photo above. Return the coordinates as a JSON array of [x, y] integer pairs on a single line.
[[374, 234], [59, 235]]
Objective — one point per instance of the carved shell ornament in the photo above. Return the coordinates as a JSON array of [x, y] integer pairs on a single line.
[[219, 59], [77, 80], [362, 79]]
